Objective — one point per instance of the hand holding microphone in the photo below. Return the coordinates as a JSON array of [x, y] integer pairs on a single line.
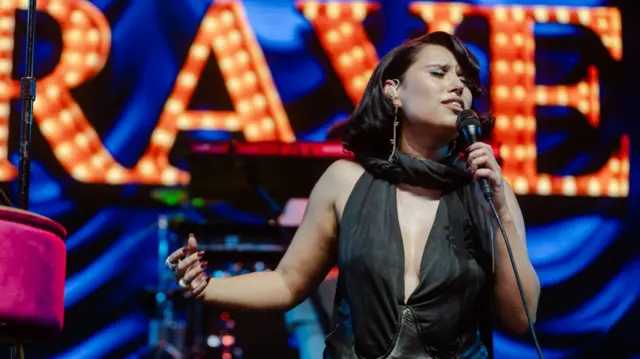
[[481, 160]]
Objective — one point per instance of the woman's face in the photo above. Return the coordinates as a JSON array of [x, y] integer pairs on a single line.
[[432, 92]]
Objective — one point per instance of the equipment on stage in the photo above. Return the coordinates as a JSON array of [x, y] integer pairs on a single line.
[[263, 178], [235, 170], [188, 329], [32, 277], [32, 249]]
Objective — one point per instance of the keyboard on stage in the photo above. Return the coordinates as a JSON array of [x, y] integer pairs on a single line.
[[319, 150], [228, 170]]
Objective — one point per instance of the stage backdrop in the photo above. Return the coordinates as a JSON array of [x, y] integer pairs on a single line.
[[121, 82]]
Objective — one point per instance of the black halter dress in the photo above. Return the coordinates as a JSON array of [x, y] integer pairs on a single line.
[[447, 316]]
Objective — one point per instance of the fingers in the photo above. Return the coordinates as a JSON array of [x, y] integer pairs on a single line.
[[192, 244], [478, 145], [195, 280], [186, 263], [174, 257], [198, 291], [477, 163], [479, 149], [194, 271], [492, 176], [481, 162], [191, 247], [481, 155]]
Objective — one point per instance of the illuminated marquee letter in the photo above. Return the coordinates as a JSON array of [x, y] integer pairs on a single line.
[[514, 94], [7, 25], [85, 47], [342, 36], [259, 111], [613, 179]]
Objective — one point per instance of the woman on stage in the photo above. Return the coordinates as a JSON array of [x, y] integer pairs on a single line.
[[404, 221]]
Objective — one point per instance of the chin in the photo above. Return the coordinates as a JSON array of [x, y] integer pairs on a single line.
[[450, 130], [451, 123]]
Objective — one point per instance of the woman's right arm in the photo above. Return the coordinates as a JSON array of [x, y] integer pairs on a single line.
[[308, 259]]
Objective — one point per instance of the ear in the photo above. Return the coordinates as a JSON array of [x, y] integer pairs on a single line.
[[391, 91]]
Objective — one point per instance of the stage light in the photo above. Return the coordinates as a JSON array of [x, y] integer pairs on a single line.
[[514, 93], [226, 34], [521, 185], [86, 39], [343, 37], [228, 340], [594, 187], [512, 80], [544, 185], [83, 55], [213, 341], [248, 81]]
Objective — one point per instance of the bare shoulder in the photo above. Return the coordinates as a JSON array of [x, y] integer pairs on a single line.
[[344, 174], [338, 178], [344, 170]]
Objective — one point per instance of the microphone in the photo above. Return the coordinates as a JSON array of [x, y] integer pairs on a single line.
[[470, 130]]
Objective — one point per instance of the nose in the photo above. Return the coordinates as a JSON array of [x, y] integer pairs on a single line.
[[456, 86]]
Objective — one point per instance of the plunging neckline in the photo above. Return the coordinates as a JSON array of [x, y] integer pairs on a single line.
[[370, 292], [402, 295]]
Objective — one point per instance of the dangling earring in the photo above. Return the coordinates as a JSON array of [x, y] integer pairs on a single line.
[[394, 139]]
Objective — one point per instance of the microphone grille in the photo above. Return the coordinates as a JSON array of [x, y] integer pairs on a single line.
[[466, 118]]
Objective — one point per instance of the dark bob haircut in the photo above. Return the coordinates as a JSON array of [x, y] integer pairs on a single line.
[[369, 130]]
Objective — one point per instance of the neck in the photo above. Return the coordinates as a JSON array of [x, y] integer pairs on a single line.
[[423, 147]]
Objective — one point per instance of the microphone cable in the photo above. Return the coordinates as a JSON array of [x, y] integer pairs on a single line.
[[488, 196]]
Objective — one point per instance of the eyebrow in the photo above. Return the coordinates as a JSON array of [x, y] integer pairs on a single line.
[[439, 65]]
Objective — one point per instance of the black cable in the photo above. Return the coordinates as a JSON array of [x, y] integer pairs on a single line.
[[515, 272]]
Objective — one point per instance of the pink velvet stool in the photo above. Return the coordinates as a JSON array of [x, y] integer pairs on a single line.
[[32, 275]]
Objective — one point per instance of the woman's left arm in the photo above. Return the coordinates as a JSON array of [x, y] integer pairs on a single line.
[[508, 301], [482, 164]]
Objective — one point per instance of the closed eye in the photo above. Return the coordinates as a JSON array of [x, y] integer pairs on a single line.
[[444, 69]]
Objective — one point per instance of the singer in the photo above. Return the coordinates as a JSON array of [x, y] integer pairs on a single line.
[[423, 270]]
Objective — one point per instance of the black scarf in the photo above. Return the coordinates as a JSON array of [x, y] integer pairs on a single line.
[[447, 174]]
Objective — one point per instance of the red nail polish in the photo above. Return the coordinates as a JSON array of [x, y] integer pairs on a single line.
[[203, 265], [185, 250], [201, 253]]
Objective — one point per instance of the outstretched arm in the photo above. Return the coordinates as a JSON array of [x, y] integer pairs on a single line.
[[310, 256]]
